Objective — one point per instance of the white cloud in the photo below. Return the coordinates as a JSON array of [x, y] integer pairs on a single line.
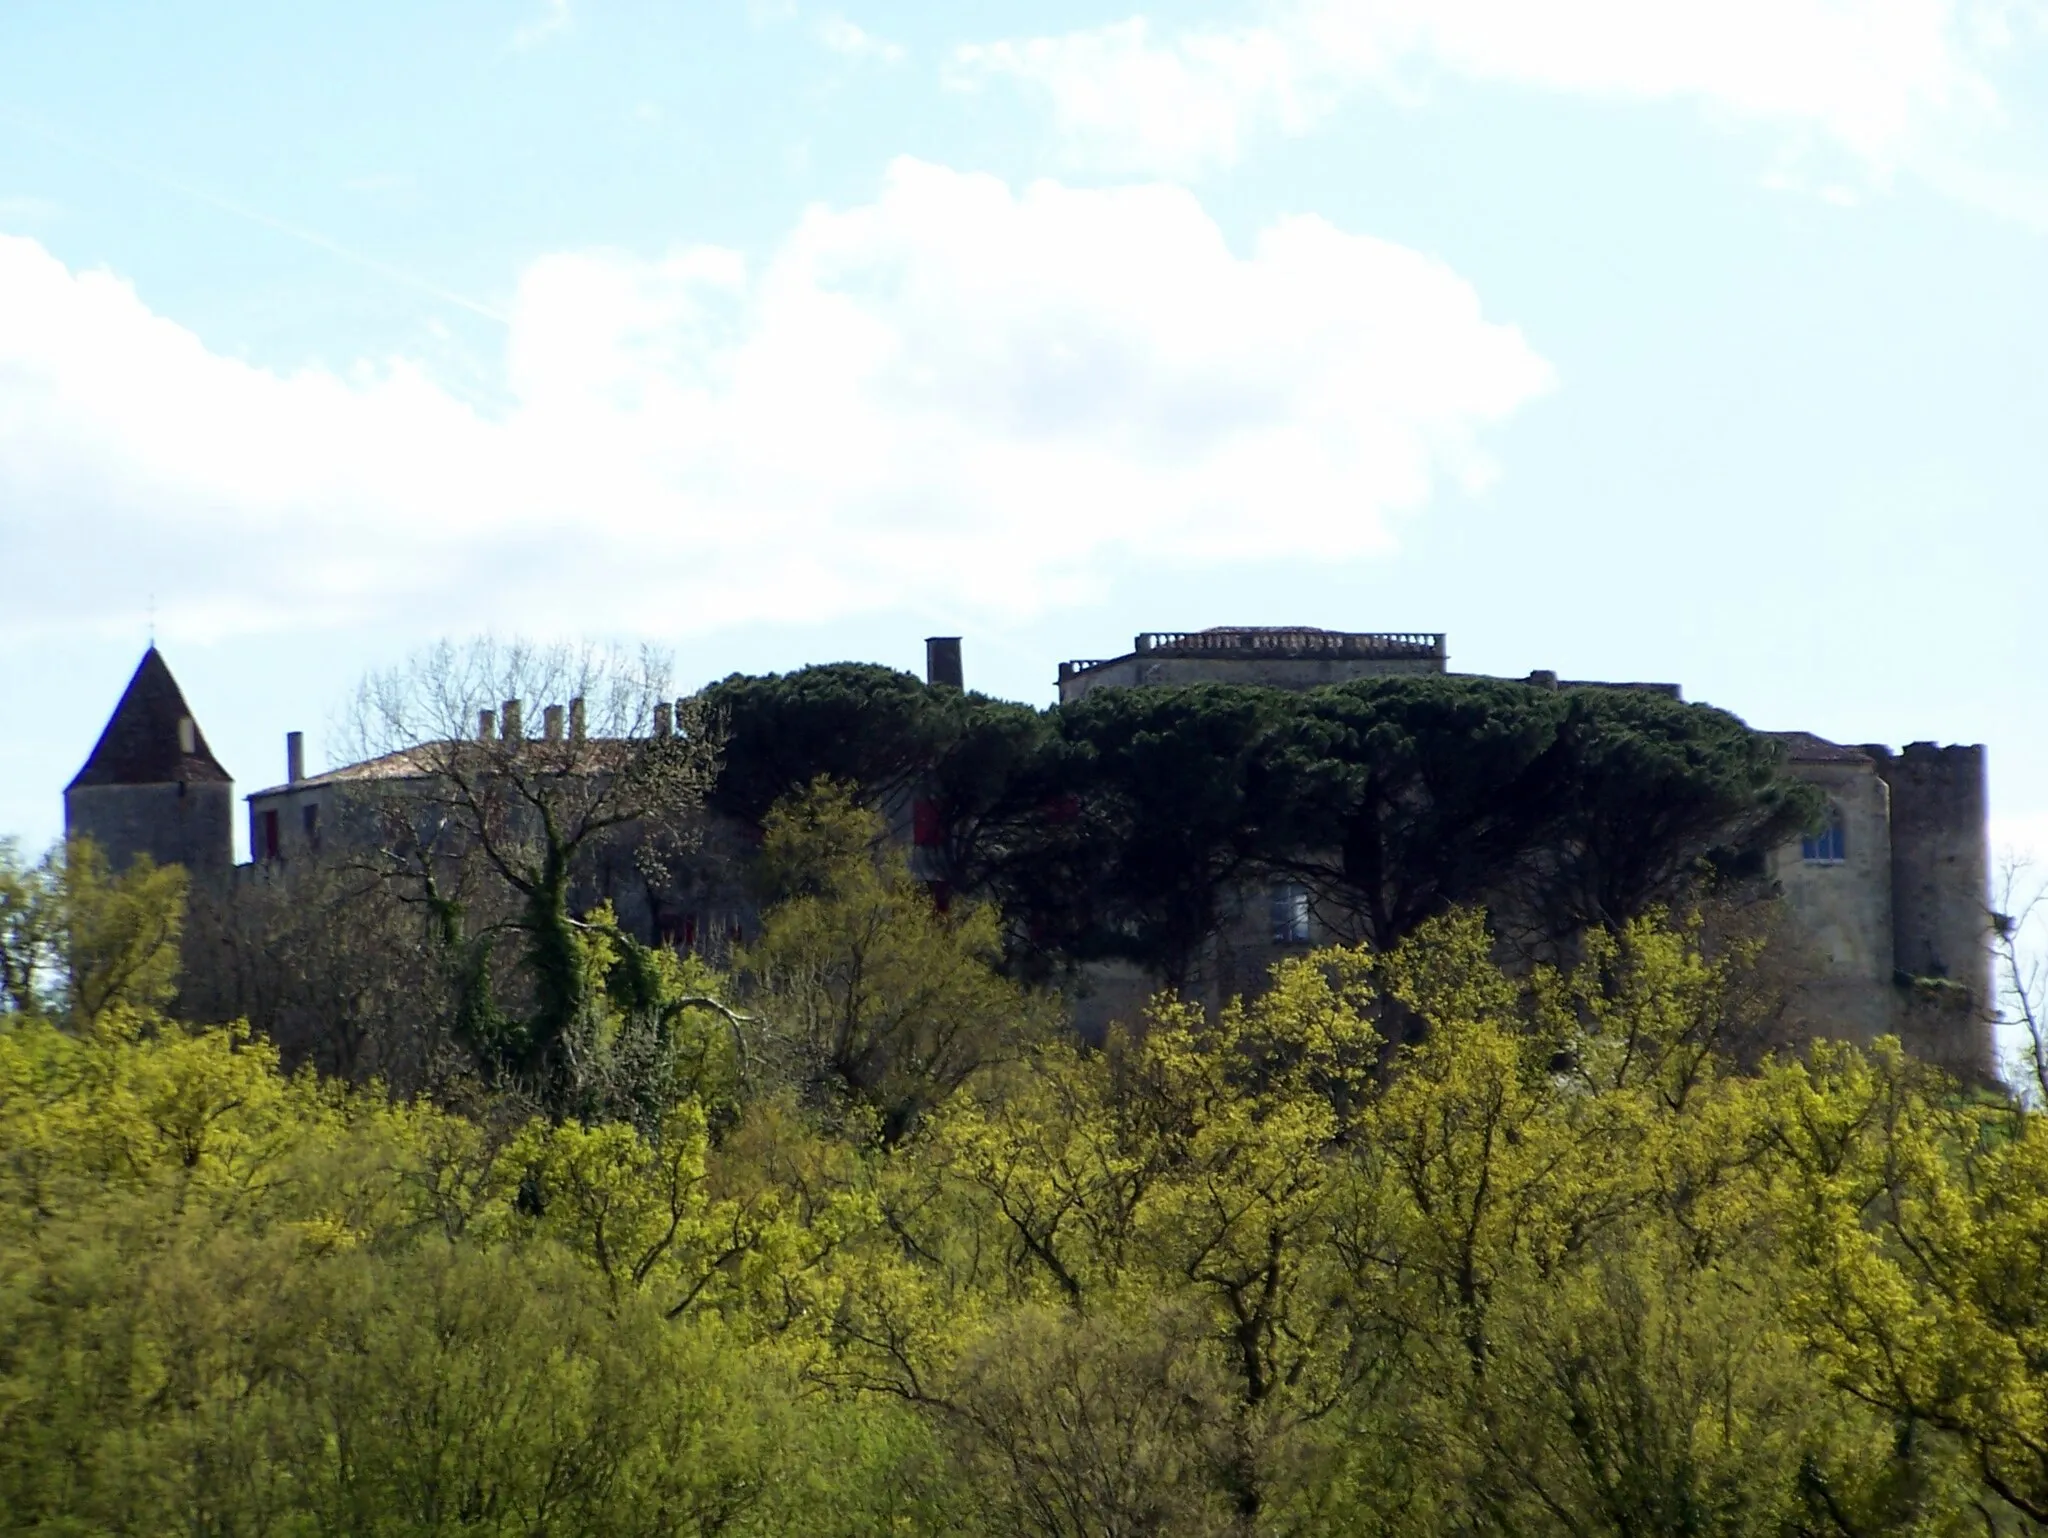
[[1859, 73], [1126, 99], [843, 37], [955, 393]]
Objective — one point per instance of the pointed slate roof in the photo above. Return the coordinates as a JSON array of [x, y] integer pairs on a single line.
[[140, 745]]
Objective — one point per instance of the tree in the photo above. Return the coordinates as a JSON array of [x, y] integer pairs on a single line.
[[1554, 1268], [1557, 811], [872, 729], [1400, 798], [1917, 1217], [1119, 825], [77, 938], [2023, 971], [1154, 803], [1659, 790], [499, 832], [1096, 1426], [1190, 1165], [30, 931], [872, 997]]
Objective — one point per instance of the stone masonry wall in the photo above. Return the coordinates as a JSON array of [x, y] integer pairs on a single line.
[[1941, 909], [1837, 928], [1274, 672], [190, 824]]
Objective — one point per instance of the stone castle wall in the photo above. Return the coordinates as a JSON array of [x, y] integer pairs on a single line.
[[1941, 900], [189, 824], [1838, 922], [1273, 673]]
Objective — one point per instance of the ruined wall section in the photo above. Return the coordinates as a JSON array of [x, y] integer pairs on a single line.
[[1941, 908]]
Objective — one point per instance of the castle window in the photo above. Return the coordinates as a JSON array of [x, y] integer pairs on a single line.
[[1829, 846], [1287, 907], [309, 818], [270, 841]]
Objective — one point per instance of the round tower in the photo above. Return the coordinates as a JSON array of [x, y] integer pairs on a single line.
[[152, 786]]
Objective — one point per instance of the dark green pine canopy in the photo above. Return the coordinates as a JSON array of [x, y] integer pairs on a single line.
[[140, 745]]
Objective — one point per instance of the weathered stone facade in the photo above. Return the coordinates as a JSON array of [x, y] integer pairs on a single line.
[[1892, 903]]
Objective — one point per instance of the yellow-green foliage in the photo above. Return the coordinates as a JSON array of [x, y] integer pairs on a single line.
[[75, 937], [875, 1003], [1554, 1268], [232, 1301]]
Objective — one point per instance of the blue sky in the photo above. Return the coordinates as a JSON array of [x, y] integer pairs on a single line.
[[1680, 340]]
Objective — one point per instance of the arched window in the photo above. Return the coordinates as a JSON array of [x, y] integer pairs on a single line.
[[1828, 846]]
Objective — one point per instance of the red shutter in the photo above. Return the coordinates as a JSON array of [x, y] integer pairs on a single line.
[[925, 829]]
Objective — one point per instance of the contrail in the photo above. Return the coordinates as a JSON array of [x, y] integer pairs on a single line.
[[284, 227]]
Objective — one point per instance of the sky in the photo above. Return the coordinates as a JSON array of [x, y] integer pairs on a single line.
[[1687, 340]]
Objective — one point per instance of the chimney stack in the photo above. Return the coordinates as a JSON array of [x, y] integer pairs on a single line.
[[942, 661], [294, 757], [486, 725], [551, 722], [510, 731], [576, 719], [664, 719]]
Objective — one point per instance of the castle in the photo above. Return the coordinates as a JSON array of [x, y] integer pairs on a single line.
[[1886, 907]]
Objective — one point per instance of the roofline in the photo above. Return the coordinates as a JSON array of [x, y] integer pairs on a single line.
[[343, 774], [1291, 644]]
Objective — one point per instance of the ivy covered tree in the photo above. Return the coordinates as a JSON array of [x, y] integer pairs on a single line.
[[494, 828]]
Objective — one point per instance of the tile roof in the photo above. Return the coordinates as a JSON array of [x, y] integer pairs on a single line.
[[140, 745], [428, 759], [1806, 748]]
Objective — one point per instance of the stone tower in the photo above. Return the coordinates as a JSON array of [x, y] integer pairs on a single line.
[[152, 786], [1941, 901]]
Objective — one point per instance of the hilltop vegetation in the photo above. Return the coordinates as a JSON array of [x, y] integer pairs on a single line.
[[856, 1240], [1115, 826]]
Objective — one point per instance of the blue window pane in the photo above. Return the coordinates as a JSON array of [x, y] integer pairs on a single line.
[[1827, 847]]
